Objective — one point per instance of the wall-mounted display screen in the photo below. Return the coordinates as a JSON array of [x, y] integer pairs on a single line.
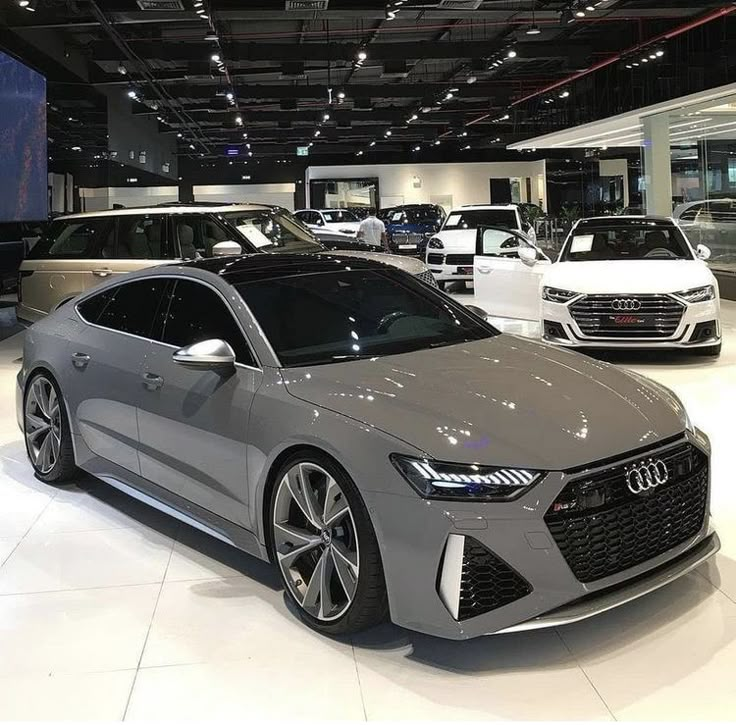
[[23, 153]]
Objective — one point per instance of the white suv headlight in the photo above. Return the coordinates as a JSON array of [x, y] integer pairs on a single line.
[[698, 294], [435, 243], [553, 294]]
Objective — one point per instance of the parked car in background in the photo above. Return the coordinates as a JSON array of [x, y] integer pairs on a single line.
[[409, 227], [387, 450], [450, 251], [81, 250], [336, 220], [712, 223], [619, 282], [16, 238]]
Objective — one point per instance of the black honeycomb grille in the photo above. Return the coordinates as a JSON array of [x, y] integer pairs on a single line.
[[602, 528], [487, 582]]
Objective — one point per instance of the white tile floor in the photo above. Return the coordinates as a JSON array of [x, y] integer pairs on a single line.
[[109, 610]]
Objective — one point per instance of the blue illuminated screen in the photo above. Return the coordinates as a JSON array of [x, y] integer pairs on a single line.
[[23, 152]]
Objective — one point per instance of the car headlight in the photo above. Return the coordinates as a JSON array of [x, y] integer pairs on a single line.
[[698, 294], [465, 482], [553, 294], [435, 243]]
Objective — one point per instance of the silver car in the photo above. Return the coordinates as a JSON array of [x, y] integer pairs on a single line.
[[392, 453]]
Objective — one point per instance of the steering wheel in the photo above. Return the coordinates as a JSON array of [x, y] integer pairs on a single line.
[[661, 252], [389, 319]]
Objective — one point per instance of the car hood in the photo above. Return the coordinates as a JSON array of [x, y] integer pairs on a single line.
[[408, 264], [502, 401], [629, 276], [458, 240], [352, 226]]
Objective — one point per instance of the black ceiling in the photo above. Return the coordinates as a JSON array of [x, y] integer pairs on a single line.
[[439, 71]]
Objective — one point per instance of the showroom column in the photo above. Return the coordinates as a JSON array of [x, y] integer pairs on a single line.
[[657, 165]]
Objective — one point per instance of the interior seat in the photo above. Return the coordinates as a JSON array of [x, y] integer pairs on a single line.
[[186, 241]]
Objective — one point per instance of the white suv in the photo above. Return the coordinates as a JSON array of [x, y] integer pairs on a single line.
[[335, 220], [450, 252]]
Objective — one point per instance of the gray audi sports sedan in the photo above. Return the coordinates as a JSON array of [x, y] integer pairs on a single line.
[[392, 453]]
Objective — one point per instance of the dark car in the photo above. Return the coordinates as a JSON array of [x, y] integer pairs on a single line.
[[15, 240], [409, 227]]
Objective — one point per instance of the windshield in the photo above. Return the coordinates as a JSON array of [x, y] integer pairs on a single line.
[[272, 231], [474, 218], [314, 319], [339, 215], [625, 240], [415, 216]]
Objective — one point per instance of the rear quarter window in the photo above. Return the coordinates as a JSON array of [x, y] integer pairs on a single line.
[[85, 238]]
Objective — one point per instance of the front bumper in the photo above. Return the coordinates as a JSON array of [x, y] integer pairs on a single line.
[[560, 328], [417, 539]]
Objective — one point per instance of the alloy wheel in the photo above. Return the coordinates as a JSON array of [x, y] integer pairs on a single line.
[[315, 541], [43, 424]]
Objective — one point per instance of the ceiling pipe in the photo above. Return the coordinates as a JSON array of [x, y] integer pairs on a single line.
[[680, 30]]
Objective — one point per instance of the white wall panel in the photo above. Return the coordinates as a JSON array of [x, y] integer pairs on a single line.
[[279, 194], [464, 183]]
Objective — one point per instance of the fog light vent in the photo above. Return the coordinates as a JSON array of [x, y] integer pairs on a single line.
[[474, 581]]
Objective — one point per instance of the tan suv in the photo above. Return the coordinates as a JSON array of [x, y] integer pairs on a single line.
[[82, 250]]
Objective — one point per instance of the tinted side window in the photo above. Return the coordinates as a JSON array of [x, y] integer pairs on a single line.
[[131, 308], [143, 237], [92, 307], [689, 214], [198, 313], [75, 239]]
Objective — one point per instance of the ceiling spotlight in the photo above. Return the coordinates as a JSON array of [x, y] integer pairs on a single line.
[[362, 55], [211, 37], [449, 96], [201, 11], [565, 94], [628, 65], [388, 132], [76, 148], [229, 96], [645, 60], [471, 80], [437, 142], [590, 8], [390, 14], [132, 94], [326, 117], [341, 95], [511, 54], [466, 148], [122, 69], [250, 153], [533, 30], [178, 135], [317, 133], [205, 17], [659, 53], [360, 153], [24, 3], [413, 117], [215, 58], [653, 56], [239, 120], [417, 148], [191, 146], [372, 143], [245, 135], [464, 133], [580, 13]]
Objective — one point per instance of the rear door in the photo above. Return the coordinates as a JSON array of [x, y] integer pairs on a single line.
[[106, 359], [505, 285], [62, 264], [193, 423]]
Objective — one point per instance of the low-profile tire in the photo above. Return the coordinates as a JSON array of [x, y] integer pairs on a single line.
[[712, 351], [46, 431], [324, 546]]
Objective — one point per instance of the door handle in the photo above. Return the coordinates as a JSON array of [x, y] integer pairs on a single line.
[[152, 381], [101, 272], [484, 270], [80, 360]]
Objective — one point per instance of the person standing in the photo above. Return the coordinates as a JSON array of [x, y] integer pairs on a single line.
[[373, 231]]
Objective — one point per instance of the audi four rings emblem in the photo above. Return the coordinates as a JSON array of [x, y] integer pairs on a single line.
[[647, 475], [626, 305]]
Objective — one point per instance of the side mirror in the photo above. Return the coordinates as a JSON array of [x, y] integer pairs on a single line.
[[703, 252], [206, 355], [477, 311], [226, 249], [528, 255]]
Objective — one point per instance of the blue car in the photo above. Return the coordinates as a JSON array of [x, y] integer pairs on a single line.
[[410, 226]]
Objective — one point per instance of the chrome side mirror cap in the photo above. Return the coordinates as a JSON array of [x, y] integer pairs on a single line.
[[703, 252], [477, 311], [226, 249], [205, 355]]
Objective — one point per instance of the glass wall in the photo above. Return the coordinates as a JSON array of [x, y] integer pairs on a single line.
[[702, 153]]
